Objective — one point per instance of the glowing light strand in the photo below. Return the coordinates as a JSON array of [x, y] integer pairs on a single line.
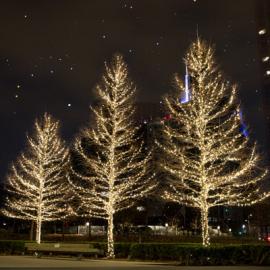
[[116, 169], [208, 160], [37, 183]]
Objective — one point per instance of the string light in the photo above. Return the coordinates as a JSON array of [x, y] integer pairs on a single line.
[[262, 31], [117, 172], [210, 161], [265, 59], [37, 183]]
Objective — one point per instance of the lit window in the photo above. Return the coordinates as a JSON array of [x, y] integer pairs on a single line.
[[265, 59], [267, 72], [262, 31]]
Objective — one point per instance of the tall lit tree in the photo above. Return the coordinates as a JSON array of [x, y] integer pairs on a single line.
[[112, 157], [211, 162], [37, 183]]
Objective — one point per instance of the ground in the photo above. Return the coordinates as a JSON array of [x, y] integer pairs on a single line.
[[27, 262]]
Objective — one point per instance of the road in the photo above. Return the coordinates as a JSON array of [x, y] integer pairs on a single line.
[[27, 262]]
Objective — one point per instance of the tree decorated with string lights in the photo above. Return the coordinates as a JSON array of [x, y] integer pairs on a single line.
[[37, 182], [113, 172], [209, 160]]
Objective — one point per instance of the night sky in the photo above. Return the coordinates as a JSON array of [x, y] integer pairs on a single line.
[[52, 54]]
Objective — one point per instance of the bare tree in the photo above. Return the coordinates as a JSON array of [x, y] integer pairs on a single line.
[[115, 163], [37, 183], [211, 162]]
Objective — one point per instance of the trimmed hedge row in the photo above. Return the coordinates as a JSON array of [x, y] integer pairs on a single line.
[[180, 239], [198, 255], [194, 254], [184, 254], [122, 250], [11, 247]]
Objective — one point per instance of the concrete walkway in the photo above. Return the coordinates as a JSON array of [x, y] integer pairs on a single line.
[[27, 262]]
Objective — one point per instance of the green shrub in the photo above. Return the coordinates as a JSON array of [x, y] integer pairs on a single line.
[[11, 247], [198, 255], [121, 250]]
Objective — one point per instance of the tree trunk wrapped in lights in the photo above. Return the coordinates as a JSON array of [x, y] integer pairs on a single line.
[[112, 157], [37, 183], [210, 161]]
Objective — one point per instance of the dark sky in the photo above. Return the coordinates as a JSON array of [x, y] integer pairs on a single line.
[[52, 55]]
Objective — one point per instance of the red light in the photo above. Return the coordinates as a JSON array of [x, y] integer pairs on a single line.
[[268, 238], [167, 117]]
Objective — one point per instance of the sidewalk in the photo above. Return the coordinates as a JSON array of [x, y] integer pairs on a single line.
[[27, 262]]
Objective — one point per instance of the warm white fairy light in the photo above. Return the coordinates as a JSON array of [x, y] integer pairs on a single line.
[[37, 183], [116, 167], [209, 159]]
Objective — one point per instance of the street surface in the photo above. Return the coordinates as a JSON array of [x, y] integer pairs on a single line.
[[27, 262]]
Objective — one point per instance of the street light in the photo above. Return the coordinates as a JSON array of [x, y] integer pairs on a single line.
[[166, 226], [243, 232], [140, 208], [89, 229], [218, 228]]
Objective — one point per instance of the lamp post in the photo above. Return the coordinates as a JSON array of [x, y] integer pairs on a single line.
[[89, 229], [140, 209], [248, 223], [218, 228], [242, 233], [166, 226]]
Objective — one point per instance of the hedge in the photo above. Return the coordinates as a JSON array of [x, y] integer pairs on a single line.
[[193, 253], [198, 255], [121, 250], [11, 247], [183, 254]]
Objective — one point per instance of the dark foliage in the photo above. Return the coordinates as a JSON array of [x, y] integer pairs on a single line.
[[194, 254], [11, 247]]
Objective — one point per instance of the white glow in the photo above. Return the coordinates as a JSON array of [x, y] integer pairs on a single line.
[[265, 59], [262, 31], [140, 208]]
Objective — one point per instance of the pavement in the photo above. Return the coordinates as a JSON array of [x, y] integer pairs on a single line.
[[29, 262]]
